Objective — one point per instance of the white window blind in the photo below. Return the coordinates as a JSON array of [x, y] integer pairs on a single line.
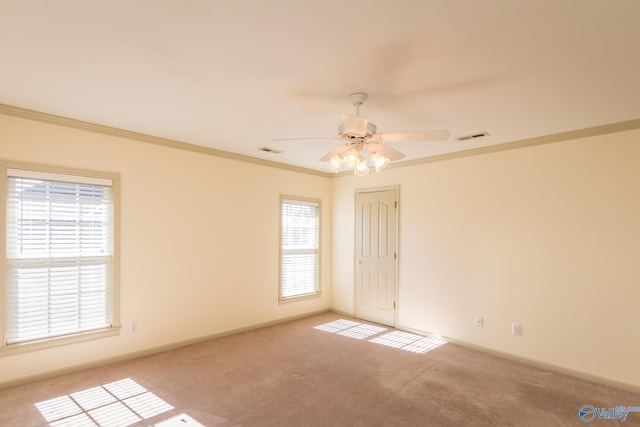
[[59, 255], [300, 243]]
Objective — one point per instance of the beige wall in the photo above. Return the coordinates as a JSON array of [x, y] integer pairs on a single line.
[[547, 236], [199, 240]]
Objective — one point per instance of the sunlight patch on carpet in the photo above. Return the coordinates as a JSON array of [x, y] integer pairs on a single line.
[[350, 329], [409, 342], [396, 339], [118, 404], [337, 325], [362, 331]]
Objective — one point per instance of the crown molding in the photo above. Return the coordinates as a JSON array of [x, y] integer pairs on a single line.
[[529, 142], [10, 110]]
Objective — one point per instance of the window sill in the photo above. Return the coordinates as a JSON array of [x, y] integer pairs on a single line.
[[12, 349], [298, 298]]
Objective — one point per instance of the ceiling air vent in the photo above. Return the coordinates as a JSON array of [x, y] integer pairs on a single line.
[[269, 150], [472, 136]]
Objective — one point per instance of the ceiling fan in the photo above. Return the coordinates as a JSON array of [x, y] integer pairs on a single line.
[[362, 146]]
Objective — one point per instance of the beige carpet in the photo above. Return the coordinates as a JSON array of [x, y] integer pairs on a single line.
[[324, 370]]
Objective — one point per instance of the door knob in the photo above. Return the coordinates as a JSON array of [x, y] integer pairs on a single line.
[[359, 262]]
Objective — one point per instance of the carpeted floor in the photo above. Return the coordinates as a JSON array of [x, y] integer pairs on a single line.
[[324, 370]]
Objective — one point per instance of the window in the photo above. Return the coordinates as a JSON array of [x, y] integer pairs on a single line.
[[299, 253], [59, 259]]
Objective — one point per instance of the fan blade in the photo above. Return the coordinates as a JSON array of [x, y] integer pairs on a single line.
[[425, 135], [319, 138], [386, 151], [355, 125], [337, 150]]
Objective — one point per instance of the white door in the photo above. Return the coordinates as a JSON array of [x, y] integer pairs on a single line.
[[375, 280]]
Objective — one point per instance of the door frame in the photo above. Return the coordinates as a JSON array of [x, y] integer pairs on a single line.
[[396, 190]]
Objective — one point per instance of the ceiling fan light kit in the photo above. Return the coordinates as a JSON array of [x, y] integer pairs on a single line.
[[379, 161], [356, 158]]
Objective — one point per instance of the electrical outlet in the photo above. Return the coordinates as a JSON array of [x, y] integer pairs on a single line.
[[516, 329], [478, 321], [134, 326], [275, 301]]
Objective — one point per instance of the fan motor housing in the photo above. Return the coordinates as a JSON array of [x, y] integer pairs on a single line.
[[371, 130]]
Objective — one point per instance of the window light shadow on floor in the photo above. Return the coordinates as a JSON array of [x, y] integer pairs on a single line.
[[351, 329], [396, 339], [118, 404], [409, 342]]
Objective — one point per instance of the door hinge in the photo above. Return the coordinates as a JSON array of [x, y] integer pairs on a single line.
[[395, 255], [394, 305], [395, 204]]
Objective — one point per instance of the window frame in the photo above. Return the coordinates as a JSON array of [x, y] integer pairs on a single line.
[[75, 337], [318, 290]]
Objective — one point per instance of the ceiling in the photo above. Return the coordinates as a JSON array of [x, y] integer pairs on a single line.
[[235, 74]]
